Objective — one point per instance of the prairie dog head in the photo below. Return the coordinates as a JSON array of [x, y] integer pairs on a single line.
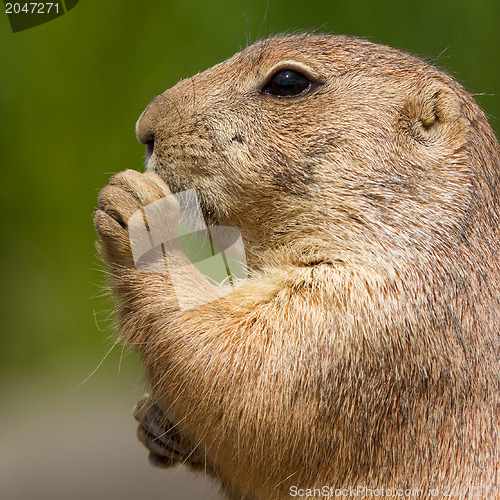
[[331, 139]]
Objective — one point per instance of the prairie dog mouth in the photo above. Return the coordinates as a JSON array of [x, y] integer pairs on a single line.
[[150, 161], [149, 152], [176, 185]]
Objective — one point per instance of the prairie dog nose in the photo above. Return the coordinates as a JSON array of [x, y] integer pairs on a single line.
[[145, 128]]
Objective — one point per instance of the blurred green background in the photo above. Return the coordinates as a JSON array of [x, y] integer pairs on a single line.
[[70, 93]]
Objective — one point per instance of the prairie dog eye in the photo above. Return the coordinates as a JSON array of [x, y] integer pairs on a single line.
[[287, 83]]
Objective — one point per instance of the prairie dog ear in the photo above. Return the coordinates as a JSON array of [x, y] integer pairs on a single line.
[[433, 115]]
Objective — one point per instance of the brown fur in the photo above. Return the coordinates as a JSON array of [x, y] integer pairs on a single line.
[[364, 347]]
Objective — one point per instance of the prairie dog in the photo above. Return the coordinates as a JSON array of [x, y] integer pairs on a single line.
[[363, 349]]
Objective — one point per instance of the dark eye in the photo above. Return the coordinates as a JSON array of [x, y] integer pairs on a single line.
[[287, 83]]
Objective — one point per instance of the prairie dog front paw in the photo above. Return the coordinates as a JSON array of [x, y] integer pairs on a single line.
[[121, 203], [162, 437]]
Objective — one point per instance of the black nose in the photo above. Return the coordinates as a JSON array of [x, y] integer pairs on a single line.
[[145, 135], [150, 147], [145, 127]]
